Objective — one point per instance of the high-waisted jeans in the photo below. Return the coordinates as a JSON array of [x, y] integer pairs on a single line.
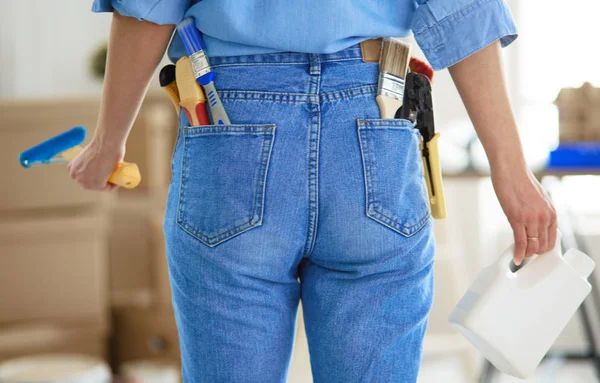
[[308, 195]]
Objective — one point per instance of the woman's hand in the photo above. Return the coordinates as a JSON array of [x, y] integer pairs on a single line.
[[529, 211], [92, 167]]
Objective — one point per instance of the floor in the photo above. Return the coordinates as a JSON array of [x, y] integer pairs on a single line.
[[449, 370]]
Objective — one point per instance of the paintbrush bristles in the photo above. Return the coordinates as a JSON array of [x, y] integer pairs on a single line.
[[395, 55]]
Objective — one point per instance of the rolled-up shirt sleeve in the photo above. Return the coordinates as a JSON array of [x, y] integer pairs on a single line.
[[155, 11], [448, 31]]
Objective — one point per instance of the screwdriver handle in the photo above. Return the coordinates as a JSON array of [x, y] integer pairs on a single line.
[[437, 201]]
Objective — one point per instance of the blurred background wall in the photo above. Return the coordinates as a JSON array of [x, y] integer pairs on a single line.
[[114, 303]]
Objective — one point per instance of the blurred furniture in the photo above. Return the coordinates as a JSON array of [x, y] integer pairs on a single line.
[[24, 124], [56, 368], [452, 265], [53, 235], [143, 321], [579, 115], [150, 371], [78, 268]]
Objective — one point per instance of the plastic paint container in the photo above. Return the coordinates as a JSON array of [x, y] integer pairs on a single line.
[[513, 318]]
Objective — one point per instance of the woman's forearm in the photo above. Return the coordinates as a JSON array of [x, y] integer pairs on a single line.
[[528, 208], [135, 49], [480, 82]]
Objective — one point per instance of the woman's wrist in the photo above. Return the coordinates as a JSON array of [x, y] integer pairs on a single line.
[[109, 140], [510, 163]]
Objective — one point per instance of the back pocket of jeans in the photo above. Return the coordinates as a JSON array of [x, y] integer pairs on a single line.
[[394, 184], [223, 180]]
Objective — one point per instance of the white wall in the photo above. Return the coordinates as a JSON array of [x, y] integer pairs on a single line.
[[45, 47]]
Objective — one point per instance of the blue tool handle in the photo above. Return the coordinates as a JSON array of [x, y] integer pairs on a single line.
[[217, 111]]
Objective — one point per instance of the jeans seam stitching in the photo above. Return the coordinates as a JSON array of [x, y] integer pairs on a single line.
[[279, 63], [262, 63], [199, 131], [370, 190], [265, 169], [395, 220], [197, 233], [365, 177], [316, 176], [344, 94], [259, 183]]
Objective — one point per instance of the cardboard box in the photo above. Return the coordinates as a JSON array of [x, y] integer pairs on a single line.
[[150, 143], [129, 254], [151, 370], [161, 285], [36, 338], [131, 249], [54, 266], [24, 124], [144, 333]]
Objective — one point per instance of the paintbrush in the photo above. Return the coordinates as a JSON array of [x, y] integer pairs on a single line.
[[195, 48], [63, 147], [192, 98], [168, 83], [393, 64]]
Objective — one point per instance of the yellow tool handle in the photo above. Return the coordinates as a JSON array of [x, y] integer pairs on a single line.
[[173, 93], [126, 174], [437, 202], [189, 106]]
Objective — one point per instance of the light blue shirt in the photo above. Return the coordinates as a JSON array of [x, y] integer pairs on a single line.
[[447, 31]]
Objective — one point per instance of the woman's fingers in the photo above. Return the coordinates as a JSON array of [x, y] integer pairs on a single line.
[[552, 229], [543, 225], [520, 243], [546, 229], [533, 240]]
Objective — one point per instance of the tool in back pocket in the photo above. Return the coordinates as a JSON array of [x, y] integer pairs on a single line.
[[192, 98], [195, 48], [169, 84], [417, 107]]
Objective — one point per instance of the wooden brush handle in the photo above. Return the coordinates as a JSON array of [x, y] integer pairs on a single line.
[[387, 106], [126, 174]]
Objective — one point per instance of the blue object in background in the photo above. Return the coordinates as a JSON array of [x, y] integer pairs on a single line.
[[575, 155]]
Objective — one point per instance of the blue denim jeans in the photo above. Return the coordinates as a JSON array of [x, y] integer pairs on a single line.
[[308, 195]]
